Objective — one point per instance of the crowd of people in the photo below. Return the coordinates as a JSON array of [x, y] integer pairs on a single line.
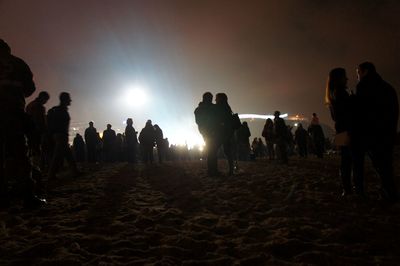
[[35, 142]]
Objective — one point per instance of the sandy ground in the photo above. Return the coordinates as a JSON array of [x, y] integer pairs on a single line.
[[173, 214]]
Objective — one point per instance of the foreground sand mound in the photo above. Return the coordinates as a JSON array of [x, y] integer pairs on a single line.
[[174, 214]]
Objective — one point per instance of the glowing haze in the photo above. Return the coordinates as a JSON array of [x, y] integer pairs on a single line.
[[154, 59]]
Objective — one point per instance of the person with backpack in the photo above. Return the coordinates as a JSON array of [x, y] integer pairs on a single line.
[[58, 121]]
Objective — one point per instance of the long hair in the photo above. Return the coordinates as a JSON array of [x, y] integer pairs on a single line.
[[333, 83]]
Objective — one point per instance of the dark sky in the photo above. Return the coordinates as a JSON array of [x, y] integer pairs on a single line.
[[266, 55]]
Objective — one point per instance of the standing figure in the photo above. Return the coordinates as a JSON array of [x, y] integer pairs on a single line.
[[131, 141], [339, 102], [147, 138], [268, 134], [109, 139], [58, 120], [243, 142], [301, 137], [281, 137], [16, 84], [206, 122], [37, 112], [375, 129], [225, 128], [78, 146], [91, 142], [160, 143], [318, 139]]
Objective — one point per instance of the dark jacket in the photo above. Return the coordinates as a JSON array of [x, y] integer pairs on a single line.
[[205, 119], [58, 120], [16, 83], [38, 114], [341, 111], [130, 136], [91, 137], [147, 136], [377, 109], [224, 121]]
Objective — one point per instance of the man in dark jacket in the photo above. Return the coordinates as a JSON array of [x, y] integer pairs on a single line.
[[147, 140], [109, 139], [205, 120], [375, 129], [91, 139], [58, 120], [16, 84], [131, 141]]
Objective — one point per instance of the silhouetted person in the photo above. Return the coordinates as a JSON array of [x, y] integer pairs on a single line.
[[109, 138], [206, 122], [375, 128], [58, 120], [268, 134], [314, 119], [119, 147], [16, 84], [78, 146], [91, 140], [318, 139], [340, 105], [37, 112], [160, 143], [147, 139], [281, 137], [243, 142], [301, 137], [131, 141], [225, 127]]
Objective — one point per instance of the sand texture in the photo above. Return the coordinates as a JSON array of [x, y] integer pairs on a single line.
[[173, 214]]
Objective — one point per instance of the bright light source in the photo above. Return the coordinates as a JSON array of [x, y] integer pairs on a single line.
[[295, 124], [135, 96]]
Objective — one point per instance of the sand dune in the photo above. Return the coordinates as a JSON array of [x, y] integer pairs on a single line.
[[173, 214]]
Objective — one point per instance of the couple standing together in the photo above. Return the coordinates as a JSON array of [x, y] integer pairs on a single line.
[[369, 120], [216, 125]]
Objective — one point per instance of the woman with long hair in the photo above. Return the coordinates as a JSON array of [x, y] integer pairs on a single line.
[[339, 102]]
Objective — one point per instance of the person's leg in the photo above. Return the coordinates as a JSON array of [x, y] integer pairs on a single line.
[[381, 155], [212, 159], [58, 156], [358, 156], [229, 156], [345, 169]]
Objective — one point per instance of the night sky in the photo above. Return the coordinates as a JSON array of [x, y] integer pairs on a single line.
[[266, 55]]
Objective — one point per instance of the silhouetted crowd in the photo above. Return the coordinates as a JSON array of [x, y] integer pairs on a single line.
[[35, 142]]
